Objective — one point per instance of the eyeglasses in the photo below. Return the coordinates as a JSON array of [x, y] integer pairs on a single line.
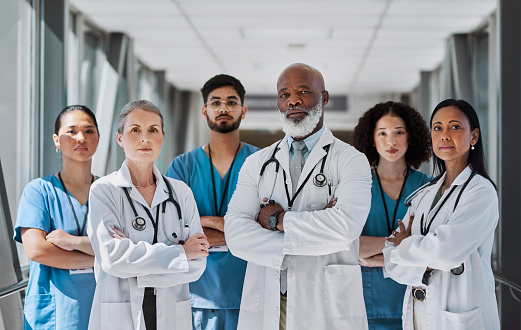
[[216, 105]]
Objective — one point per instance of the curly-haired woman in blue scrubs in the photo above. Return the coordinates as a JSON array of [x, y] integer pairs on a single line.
[[396, 140], [51, 224]]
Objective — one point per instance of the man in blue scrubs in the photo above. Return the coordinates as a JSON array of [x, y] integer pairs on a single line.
[[211, 171]]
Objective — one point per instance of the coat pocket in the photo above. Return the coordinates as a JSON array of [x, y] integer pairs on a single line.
[[40, 312], [117, 316], [183, 315], [471, 320], [343, 292]]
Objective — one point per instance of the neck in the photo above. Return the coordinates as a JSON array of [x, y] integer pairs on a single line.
[[392, 170], [224, 144], [452, 171], [141, 174], [76, 173]]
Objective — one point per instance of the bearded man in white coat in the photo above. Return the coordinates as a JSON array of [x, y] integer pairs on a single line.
[[296, 216]]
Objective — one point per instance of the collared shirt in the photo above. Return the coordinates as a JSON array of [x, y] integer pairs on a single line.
[[310, 142]]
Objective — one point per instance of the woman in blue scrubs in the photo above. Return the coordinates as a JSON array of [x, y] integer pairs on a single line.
[[396, 141], [51, 224]]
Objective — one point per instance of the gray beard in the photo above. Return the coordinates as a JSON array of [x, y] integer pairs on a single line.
[[301, 127]]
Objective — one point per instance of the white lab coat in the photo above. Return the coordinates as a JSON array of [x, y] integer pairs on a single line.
[[462, 235], [320, 247], [123, 268]]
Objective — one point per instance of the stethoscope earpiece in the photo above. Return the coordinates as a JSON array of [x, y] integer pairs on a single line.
[[139, 224]]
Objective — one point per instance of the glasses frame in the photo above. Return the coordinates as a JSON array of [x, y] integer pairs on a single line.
[[221, 106]]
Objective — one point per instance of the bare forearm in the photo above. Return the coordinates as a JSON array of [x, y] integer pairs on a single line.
[[54, 256], [371, 246], [213, 222], [83, 245], [374, 261], [215, 237]]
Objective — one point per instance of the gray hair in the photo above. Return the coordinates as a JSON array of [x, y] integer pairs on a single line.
[[138, 104]]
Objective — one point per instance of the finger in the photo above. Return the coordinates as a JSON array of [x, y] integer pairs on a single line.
[[401, 225], [410, 223]]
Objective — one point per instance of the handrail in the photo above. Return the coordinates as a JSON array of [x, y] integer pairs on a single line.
[[509, 283], [8, 290]]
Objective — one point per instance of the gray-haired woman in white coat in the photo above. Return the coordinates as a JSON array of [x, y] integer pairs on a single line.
[[145, 233]]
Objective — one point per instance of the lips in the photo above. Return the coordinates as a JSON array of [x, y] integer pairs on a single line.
[[144, 149], [81, 148], [392, 151], [446, 147], [224, 117]]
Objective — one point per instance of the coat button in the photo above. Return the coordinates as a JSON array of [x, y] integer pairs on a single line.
[[288, 181], [134, 314]]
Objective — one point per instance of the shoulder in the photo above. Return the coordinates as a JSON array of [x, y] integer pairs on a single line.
[[346, 153], [187, 157], [40, 186], [419, 178], [483, 185], [107, 182], [179, 187], [249, 149]]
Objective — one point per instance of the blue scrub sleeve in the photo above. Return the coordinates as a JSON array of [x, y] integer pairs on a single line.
[[177, 171], [32, 210]]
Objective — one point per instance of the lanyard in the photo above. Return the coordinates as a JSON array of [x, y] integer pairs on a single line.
[[80, 230], [292, 200], [219, 210], [155, 222], [391, 226], [425, 229]]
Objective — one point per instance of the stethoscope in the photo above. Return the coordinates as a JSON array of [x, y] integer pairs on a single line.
[[424, 228], [319, 180], [140, 224]]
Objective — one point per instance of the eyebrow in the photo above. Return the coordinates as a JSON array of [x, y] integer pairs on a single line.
[[87, 126], [397, 127], [229, 97], [451, 121]]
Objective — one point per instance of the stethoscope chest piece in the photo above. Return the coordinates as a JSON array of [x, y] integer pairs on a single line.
[[139, 224], [320, 180]]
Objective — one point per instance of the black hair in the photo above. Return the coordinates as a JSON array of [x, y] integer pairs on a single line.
[[70, 108], [476, 158], [419, 149], [222, 80]]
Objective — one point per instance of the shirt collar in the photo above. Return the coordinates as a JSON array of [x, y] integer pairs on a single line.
[[310, 141]]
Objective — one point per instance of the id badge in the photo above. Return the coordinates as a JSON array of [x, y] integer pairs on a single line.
[[81, 271], [218, 248]]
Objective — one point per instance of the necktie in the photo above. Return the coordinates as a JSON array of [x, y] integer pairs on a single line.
[[296, 163], [295, 168]]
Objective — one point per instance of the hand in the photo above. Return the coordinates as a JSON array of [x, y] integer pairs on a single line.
[[116, 232], [331, 203], [62, 239], [399, 236], [265, 213], [196, 246]]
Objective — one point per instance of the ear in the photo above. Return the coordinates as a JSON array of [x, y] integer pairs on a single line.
[[325, 97], [118, 137], [203, 112], [243, 111], [475, 136], [56, 141]]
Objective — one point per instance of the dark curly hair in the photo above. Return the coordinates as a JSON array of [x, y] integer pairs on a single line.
[[419, 149]]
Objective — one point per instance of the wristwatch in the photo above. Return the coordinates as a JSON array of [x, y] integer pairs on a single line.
[[273, 220]]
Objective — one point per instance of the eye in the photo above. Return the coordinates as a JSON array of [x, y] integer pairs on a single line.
[[381, 133], [216, 103], [90, 131], [135, 130], [305, 92], [153, 130], [400, 133], [231, 103], [455, 126], [283, 95], [71, 131], [436, 128]]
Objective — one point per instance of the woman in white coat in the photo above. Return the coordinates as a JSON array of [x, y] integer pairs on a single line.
[[145, 233], [443, 247]]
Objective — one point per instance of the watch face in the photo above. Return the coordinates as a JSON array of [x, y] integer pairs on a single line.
[[273, 222]]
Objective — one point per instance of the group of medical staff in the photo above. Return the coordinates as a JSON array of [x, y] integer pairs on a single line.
[[308, 233]]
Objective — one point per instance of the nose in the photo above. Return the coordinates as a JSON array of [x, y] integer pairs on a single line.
[[391, 139], [80, 137], [224, 107], [294, 100]]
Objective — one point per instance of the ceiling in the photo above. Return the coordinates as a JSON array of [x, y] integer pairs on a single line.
[[359, 46]]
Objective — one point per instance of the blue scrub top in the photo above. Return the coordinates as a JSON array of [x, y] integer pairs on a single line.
[[383, 296], [54, 299], [220, 286]]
